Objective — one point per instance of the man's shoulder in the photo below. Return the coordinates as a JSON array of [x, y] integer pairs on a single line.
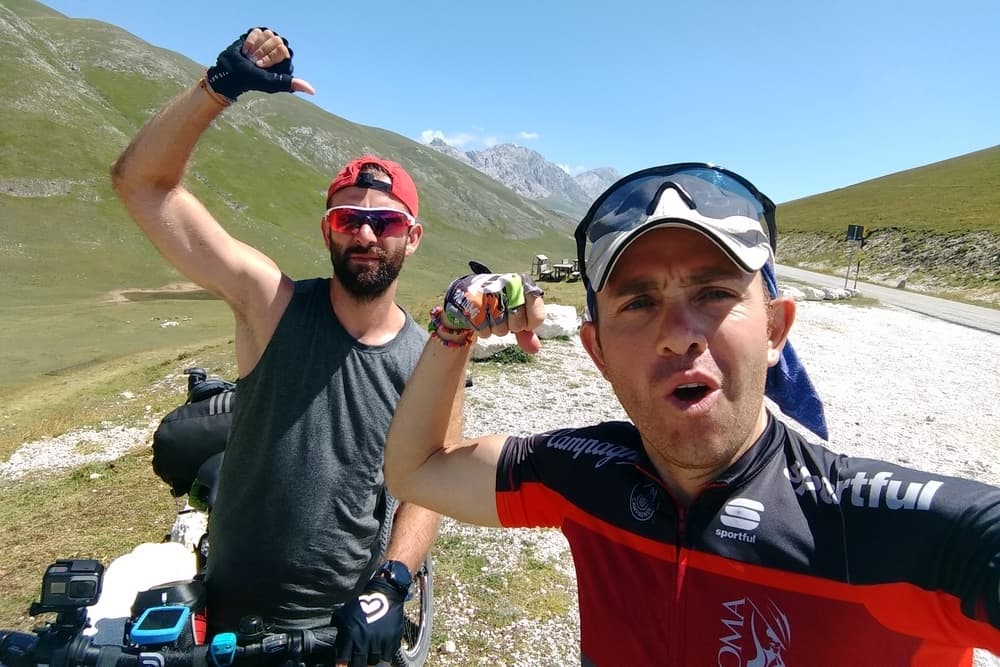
[[593, 445], [623, 432], [826, 470]]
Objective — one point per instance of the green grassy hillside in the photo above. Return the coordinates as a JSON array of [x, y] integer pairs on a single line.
[[952, 196], [78, 90], [936, 226]]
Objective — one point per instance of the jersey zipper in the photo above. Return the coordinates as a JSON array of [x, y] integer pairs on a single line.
[[679, 613], [680, 596], [677, 644]]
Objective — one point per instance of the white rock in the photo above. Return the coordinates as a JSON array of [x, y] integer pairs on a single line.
[[487, 347], [836, 293], [813, 294], [793, 293], [559, 321]]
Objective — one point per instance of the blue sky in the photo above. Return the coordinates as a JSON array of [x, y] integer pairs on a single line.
[[800, 97]]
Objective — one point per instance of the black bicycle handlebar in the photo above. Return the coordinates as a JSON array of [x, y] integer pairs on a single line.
[[22, 649]]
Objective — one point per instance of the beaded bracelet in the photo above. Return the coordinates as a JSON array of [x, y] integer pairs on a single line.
[[460, 344], [436, 324]]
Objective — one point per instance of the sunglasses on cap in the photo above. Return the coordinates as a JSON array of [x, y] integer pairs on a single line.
[[717, 202], [383, 221]]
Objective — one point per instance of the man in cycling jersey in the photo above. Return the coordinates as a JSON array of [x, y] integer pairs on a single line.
[[302, 517], [704, 530]]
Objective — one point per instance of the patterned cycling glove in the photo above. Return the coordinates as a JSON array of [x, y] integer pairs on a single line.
[[481, 301]]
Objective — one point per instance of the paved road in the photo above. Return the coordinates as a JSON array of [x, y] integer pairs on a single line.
[[977, 317]]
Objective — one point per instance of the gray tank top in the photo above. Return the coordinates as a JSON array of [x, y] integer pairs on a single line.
[[300, 515]]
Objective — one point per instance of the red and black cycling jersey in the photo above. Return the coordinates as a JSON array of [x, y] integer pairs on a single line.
[[795, 555]]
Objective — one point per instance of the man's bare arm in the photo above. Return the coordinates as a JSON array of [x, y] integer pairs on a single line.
[[415, 527], [413, 533], [148, 179], [427, 465]]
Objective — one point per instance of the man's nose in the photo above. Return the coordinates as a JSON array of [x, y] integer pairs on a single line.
[[681, 332], [366, 233]]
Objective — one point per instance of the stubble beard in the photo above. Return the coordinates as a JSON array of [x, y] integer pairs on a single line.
[[699, 446], [368, 282]]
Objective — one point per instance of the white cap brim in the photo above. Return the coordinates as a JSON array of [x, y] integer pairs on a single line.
[[742, 238]]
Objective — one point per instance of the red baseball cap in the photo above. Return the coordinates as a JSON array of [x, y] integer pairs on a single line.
[[401, 186]]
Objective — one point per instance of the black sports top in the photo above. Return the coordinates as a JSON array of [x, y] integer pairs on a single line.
[[795, 555]]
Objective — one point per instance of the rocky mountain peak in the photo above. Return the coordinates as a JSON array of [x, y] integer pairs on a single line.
[[531, 175]]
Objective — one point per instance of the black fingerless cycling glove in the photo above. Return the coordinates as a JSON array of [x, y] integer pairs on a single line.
[[370, 627], [234, 73]]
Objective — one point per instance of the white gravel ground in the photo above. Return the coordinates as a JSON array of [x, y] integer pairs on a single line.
[[896, 385]]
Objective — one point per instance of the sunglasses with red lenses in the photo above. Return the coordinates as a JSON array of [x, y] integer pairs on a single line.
[[383, 221]]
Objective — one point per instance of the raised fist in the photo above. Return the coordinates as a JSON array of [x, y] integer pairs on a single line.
[[259, 59], [493, 303]]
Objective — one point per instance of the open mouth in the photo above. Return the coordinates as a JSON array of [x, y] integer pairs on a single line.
[[691, 393]]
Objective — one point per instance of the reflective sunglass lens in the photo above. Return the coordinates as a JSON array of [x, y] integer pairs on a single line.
[[350, 220], [711, 193]]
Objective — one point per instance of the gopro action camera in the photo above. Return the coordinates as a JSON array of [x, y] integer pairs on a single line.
[[69, 585]]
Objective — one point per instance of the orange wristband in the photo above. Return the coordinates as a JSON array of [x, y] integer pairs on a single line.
[[219, 99]]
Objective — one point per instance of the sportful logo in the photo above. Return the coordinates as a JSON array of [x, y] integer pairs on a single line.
[[643, 501], [754, 637], [743, 515], [878, 490], [606, 452]]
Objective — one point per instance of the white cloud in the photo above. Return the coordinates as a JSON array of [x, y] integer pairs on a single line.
[[456, 140], [571, 170], [476, 139]]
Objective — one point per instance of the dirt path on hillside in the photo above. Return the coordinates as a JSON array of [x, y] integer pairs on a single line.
[[125, 294]]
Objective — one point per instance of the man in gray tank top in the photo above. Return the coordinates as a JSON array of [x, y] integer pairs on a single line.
[[301, 523]]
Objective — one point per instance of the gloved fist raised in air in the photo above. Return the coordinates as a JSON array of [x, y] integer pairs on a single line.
[[370, 627], [495, 304], [259, 59]]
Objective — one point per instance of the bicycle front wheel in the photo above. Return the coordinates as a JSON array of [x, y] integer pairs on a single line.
[[418, 612]]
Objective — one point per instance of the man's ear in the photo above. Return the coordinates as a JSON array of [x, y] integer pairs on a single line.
[[413, 238], [782, 317], [326, 234], [592, 344]]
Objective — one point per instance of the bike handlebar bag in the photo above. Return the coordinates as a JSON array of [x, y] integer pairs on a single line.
[[188, 435]]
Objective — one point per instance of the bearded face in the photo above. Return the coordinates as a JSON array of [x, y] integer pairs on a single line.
[[366, 273]]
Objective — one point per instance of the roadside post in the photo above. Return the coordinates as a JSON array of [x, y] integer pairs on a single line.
[[856, 235]]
